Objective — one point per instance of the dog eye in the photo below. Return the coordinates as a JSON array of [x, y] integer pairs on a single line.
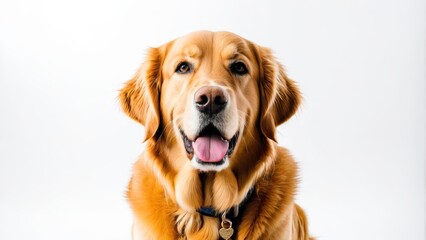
[[238, 68], [183, 67]]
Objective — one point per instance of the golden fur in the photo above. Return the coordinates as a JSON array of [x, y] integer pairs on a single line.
[[165, 190]]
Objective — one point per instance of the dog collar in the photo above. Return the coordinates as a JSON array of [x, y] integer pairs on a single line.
[[231, 214], [211, 212], [227, 218]]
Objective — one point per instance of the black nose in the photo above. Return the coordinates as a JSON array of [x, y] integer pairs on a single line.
[[210, 99]]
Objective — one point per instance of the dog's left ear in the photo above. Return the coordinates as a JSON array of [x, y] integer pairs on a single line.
[[279, 95], [140, 97]]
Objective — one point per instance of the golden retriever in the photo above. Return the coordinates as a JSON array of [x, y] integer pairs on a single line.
[[210, 103]]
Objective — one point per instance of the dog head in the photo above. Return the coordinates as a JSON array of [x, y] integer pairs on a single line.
[[206, 93]]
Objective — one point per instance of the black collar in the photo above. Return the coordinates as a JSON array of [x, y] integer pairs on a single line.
[[231, 214]]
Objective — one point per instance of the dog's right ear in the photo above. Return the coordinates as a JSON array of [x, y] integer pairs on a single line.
[[140, 97], [279, 95]]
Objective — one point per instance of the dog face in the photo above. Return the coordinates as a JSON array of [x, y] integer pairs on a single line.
[[208, 96]]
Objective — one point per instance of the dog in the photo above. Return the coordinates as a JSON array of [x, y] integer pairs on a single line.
[[210, 103]]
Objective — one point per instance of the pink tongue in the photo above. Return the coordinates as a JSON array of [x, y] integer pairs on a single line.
[[210, 148]]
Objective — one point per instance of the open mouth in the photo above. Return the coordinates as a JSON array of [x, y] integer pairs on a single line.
[[209, 147]]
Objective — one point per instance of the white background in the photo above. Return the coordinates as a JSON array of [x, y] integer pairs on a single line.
[[66, 149]]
